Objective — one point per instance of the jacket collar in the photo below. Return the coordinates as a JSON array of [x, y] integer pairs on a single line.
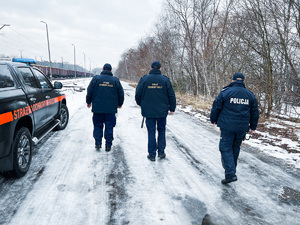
[[155, 71], [238, 83], [106, 72]]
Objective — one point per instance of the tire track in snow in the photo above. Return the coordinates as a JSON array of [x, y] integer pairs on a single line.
[[237, 202], [254, 197], [72, 188], [117, 179], [13, 191]]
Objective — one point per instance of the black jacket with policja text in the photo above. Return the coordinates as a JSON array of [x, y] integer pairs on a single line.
[[235, 108]]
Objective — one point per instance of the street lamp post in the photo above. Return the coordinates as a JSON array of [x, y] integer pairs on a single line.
[[90, 67], [84, 64], [21, 55], [4, 26], [48, 49], [74, 61]]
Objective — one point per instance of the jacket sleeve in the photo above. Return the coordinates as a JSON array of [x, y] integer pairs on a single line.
[[120, 94], [89, 95], [216, 108], [138, 92], [254, 114], [171, 95]]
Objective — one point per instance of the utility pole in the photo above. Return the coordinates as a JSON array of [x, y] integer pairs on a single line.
[[90, 66], [74, 61], [21, 55], [84, 65], [48, 49]]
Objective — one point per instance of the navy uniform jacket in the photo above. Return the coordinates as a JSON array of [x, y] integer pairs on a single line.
[[235, 108], [155, 95], [105, 92]]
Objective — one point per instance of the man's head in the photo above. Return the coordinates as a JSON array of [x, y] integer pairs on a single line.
[[238, 76], [155, 65], [107, 67]]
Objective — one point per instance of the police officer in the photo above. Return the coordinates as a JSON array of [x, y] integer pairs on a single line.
[[105, 94], [235, 110], [156, 97]]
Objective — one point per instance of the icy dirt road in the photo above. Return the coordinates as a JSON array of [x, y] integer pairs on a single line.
[[70, 182]]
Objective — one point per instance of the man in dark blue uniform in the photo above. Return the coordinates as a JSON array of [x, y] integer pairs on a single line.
[[156, 97], [105, 94], [235, 110]]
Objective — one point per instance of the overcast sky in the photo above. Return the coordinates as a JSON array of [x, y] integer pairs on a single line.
[[100, 29]]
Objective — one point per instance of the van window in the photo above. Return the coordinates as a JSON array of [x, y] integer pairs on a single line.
[[6, 79]]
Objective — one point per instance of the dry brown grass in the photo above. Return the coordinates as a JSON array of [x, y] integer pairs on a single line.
[[131, 83], [186, 99], [195, 101]]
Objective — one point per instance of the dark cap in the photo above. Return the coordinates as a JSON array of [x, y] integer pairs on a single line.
[[238, 76], [155, 65], [107, 67]]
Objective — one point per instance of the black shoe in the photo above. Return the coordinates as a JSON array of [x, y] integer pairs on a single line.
[[107, 148], [97, 147], [226, 181], [162, 156], [150, 158]]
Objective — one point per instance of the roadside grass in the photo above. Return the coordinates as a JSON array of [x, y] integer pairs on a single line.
[[195, 101], [278, 131]]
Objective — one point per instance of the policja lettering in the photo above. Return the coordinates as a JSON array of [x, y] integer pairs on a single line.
[[240, 101]]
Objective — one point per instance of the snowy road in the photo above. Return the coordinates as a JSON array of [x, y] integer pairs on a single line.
[[70, 182]]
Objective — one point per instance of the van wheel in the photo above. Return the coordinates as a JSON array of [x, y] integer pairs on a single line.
[[22, 152], [63, 117]]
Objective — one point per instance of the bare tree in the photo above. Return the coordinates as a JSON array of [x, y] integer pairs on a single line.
[[203, 43]]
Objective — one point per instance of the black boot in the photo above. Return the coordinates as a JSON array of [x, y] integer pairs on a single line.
[[229, 180], [150, 158], [162, 156]]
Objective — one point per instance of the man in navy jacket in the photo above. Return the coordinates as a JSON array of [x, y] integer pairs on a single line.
[[105, 94], [235, 110], [156, 97]]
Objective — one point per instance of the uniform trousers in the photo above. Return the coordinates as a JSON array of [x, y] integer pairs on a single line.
[[160, 144], [99, 120], [229, 146]]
